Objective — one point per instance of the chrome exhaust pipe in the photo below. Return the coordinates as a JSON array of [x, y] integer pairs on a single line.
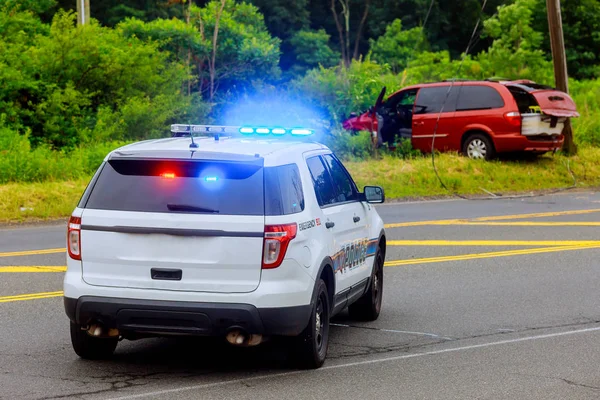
[[97, 330], [237, 337]]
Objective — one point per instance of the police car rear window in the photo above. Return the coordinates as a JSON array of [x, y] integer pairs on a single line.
[[172, 186], [283, 190]]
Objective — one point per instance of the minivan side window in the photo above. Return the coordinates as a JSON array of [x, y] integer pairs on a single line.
[[431, 99], [478, 98], [283, 190], [346, 189], [324, 189]]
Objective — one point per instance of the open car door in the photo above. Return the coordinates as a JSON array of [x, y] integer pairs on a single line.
[[555, 103]]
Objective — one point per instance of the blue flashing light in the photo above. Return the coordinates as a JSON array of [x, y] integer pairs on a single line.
[[301, 132], [263, 131], [278, 131], [211, 179], [246, 130]]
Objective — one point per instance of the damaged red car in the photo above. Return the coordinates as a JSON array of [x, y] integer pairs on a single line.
[[477, 118]]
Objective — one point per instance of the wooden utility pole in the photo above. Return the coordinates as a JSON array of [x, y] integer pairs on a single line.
[[83, 12], [561, 76]]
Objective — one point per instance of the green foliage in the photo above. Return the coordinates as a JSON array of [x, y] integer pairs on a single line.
[[438, 66], [587, 97], [339, 91], [245, 50], [20, 163], [172, 35], [311, 50], [397, 47], [349, 146], [284, 18], [515, 52], [59, 79], [581, 28], [33, 6], [403, 149]]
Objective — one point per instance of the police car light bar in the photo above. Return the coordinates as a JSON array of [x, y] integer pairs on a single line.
[[245, 130]]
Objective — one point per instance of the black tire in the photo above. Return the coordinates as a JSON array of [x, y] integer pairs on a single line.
[[91, 348], [479, 146], [311, 344], [368, 307]]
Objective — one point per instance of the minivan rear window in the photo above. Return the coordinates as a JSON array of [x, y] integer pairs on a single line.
[[478, 98], [175, 186]]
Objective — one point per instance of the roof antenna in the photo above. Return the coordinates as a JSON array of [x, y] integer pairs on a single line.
[[193, 145]]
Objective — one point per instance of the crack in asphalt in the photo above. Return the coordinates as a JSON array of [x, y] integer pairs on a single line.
[[120, 381], [558, 378]]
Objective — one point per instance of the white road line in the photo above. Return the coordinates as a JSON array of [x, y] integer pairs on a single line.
[[354, 364]]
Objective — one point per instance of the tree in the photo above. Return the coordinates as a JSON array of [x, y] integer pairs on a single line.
[[397, 47], [342, 22], [69, 81], [515, 51], [284, 18], [241, 50], [581, 26], [311, 49]]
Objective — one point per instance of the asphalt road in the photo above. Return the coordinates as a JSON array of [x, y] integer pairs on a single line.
[[482, 300]]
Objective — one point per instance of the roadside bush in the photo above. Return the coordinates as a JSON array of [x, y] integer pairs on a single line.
[[587, 97], [20, 163], [62, 79], [339, 91], [349, 146], [403, 149]]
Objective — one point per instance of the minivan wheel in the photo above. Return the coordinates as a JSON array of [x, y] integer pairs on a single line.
[[478, 147], [91, 348], [312, 343], [368, 307]]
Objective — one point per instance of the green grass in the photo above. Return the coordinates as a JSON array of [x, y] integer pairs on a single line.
[[416, 178], [31, 202]]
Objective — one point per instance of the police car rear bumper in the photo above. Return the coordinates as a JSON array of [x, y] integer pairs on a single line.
[[157, 318]]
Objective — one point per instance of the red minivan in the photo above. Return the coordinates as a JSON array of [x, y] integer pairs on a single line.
[[477, 118]]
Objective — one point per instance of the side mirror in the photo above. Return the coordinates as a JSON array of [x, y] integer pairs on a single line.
[[374, 194]]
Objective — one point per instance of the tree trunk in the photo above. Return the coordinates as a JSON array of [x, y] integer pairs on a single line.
[[559, 59], [212, 68], [189, 55], [340, 30], [346, 13], [360, 29]]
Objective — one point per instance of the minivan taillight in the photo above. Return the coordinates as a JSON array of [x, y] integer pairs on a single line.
[[513, 118], [74, 238], [277, 239]]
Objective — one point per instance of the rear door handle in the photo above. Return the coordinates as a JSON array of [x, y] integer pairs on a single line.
[[166, 274], [329, 225], [356, 219], [419, 123]]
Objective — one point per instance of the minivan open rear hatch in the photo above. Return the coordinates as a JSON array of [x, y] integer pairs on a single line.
[[543, 110], [182, 225]]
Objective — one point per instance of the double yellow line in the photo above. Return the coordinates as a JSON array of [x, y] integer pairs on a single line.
[[32, 252], [502, 220], [494, 254], [32, 296]]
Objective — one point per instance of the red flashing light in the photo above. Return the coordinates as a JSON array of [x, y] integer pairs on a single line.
[[168, 175]]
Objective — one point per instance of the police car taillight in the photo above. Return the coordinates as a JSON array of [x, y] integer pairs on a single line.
[[277, 239], [74, 238]]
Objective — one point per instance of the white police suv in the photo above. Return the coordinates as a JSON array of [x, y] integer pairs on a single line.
[[243, 238]]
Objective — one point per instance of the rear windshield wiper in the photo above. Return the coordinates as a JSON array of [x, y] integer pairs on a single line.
[[190, 208]]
